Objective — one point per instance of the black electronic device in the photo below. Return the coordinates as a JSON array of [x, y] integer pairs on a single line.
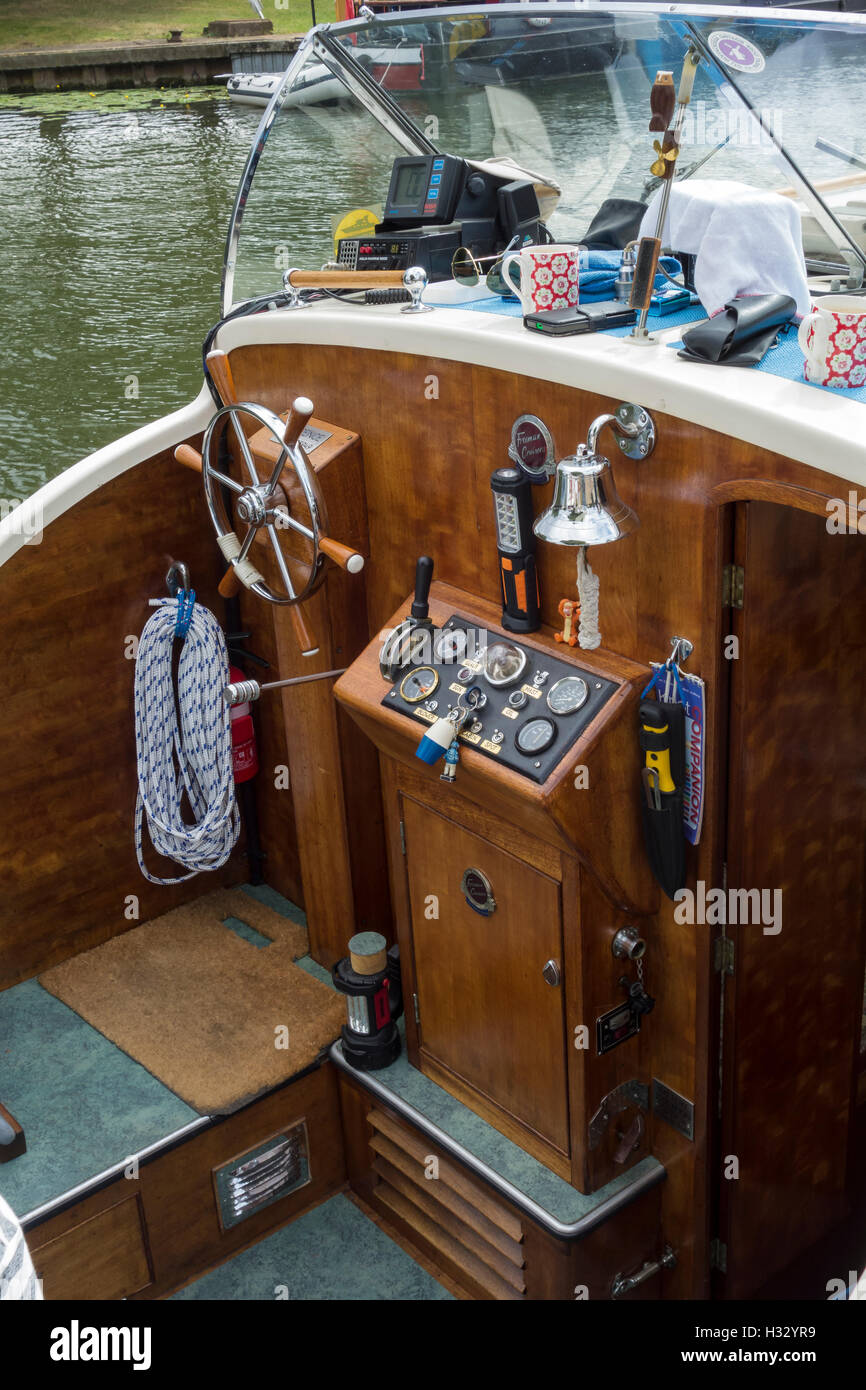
[[431, 248], [581, 318], [436, 204], [518, 576], [533, 706], [424, 188]]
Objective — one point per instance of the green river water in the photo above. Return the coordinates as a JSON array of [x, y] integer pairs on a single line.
[[114, 214]]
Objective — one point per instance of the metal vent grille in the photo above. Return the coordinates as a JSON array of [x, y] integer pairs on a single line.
[[348, 254], [262, 1175]]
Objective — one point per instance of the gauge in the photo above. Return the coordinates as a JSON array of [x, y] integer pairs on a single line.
[[504, 663], [404, 644], [450, 644], [535, 736], [418, 683], [567, 695]]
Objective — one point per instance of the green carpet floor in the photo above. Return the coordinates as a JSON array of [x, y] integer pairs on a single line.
[[333, 1253]]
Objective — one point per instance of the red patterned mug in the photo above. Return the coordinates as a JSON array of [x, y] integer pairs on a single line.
[[833, 339], [547, 277]]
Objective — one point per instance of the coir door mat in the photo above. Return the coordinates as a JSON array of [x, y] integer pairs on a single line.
[[217, 1018]]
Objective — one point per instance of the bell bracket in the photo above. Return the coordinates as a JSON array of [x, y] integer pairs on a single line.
[[639, 437]]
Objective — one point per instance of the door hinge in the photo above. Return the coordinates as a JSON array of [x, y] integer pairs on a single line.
[[402, 838], [416, 1010], [733, 583], [723, 955], [719, 1256]]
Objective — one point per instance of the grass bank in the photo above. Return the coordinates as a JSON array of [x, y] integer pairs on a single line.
[[34, 24]]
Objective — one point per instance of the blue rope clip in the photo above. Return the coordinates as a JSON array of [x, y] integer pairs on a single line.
[[669, 666], [185, 605]]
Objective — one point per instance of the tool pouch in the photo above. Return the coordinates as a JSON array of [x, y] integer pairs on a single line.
[[740, 334], [662, 814]]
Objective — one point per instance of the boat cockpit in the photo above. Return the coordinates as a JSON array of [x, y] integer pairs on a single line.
[[433, 815]]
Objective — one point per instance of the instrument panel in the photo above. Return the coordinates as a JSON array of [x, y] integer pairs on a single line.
[[530, 707]]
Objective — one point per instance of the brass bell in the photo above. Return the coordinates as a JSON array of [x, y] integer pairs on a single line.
[[586, 508]]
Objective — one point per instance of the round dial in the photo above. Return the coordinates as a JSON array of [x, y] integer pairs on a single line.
[[567, 695], [418, 683], [406, 643], [535, 736], [504, 663], [450, 644], [517, 699]]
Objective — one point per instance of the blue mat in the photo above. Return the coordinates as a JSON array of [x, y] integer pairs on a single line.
[[511, 309], [786, 361], [332, 1253]]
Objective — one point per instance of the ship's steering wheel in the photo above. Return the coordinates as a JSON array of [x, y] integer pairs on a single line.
[[287, 499], [262, 504]]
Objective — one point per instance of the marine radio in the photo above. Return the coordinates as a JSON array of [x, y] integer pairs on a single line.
[[436, 204]]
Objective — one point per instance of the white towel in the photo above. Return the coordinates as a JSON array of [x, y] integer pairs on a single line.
[[747, 241]]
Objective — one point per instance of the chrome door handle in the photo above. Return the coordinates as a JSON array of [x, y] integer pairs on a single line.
[[552, 973]]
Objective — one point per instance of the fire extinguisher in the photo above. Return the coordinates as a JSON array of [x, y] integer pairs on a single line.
[[245, 754]]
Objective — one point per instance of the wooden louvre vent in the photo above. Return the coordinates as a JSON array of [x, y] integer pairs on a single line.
[[462, 1223]]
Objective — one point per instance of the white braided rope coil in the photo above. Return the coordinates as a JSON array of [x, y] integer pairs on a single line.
[[588, 635], [196, 757]]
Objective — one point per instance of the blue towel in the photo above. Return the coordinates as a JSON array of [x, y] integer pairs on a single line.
[[598, 280]]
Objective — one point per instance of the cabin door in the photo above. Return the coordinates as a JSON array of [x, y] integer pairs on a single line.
[[487, 1014], [796, 830]]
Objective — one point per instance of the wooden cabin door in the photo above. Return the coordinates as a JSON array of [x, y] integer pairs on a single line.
[[796, 826], [487, 1014]]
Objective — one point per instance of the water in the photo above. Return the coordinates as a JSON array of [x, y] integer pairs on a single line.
[[114, 213], [115, 210]]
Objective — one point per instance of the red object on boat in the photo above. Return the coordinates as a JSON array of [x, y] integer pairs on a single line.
[[245, 753]]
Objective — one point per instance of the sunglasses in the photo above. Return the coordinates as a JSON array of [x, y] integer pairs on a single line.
[[467, 270]]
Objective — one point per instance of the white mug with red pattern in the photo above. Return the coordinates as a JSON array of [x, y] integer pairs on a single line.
[[832, 337], [548, 277]]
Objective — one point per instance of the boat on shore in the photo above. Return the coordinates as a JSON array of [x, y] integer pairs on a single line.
[[432, 819]]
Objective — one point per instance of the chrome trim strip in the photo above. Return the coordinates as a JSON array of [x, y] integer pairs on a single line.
[[570, 1231], [84, 1188]]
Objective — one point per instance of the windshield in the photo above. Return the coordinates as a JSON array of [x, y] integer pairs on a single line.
[[565, 96]]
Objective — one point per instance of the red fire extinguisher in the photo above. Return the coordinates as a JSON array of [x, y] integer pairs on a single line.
[[245, 754]]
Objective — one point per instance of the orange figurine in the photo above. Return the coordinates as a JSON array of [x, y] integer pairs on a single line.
[[569, 610]]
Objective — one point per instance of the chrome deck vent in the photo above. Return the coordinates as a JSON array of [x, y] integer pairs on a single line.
[[262, 1175]]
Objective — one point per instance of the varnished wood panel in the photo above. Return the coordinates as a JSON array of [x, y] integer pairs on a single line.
[[184, 1231], [486, 1012], [99, 1252], [333, 805], [798, 825], [67, 743]]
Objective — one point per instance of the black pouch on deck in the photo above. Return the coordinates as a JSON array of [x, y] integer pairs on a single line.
[[616, 223], [742, 332]]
